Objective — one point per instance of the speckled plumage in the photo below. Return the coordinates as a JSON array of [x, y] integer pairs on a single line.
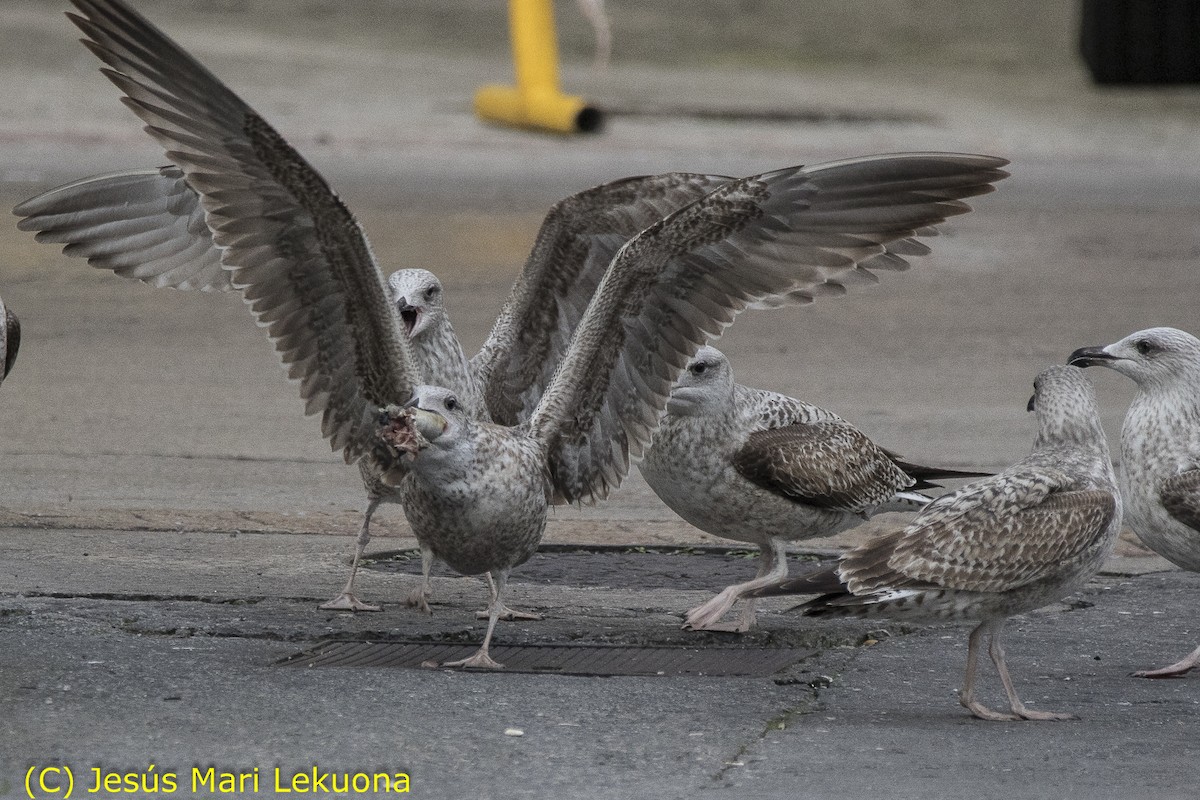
[[1160, 447], [304, 266], [996, 547], [764, 468]]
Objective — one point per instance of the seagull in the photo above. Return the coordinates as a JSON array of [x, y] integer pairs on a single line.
[[149, 225], [1160, 448], [1003, 545], [10, 338], [761, 467], [476, 492]]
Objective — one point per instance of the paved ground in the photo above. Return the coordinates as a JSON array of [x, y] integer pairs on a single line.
[[168, 519]]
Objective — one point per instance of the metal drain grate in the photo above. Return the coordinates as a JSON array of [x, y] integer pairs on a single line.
[[557, 659]]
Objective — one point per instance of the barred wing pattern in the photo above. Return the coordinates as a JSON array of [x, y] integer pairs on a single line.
[[147, 225], [574, 246], [295, 251], [783, 237]]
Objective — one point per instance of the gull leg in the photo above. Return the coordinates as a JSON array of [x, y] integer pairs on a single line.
[[481, 659], [966, 697], [1176, 670], [772, 567], [419, 599], [346, 601], [997, 652], [507, 614]]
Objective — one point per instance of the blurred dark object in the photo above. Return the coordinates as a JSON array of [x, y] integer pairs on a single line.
[[1141, 41]]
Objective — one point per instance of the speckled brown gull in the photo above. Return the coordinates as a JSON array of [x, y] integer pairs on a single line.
[[1160, 448], [1000, 546], [761, 467], [477, 492], [10, 339]]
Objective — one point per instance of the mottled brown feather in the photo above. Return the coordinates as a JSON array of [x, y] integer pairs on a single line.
[[824, 464], [1180, 496], [675, 286]]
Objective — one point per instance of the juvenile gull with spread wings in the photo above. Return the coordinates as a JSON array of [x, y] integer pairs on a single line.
[[149, 225], [996, 547], [475, 492], [1160, 448], [10, 339], [761, 467]]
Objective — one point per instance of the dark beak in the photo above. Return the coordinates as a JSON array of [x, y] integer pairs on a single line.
[[1031, 405], [1089, 357], [408, 315]]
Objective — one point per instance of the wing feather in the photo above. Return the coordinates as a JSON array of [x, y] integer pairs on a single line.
[[993, 535], [574, 245], [296, 252], [828, 464], [147, 225], [1180, 496], [758, 241]]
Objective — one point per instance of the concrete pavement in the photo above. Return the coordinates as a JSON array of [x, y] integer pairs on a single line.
[[168, 518]]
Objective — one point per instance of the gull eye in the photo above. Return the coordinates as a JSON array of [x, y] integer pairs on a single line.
[[431, 293], [698, 369], [1145, 347], [451, 404]]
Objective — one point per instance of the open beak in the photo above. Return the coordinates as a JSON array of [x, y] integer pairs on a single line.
[[409, 315], [1090, 357]]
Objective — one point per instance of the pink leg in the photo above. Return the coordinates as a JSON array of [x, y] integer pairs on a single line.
[[1176, 670], [772, 568], [347, 601], [481, 659]]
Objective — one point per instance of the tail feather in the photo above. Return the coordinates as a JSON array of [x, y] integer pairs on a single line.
[[925, 476], [820, 581]]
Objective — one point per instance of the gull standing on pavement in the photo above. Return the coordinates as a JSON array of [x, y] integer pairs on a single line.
[[1004, 545], [761, 467], [477, 493], [1160, 448]]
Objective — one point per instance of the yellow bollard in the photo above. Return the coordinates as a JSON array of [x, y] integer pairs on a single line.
[[536, 101]]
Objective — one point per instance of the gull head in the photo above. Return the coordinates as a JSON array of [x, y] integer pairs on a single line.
[[705, 386], [1153, 357], [438, 415], [417, 295]]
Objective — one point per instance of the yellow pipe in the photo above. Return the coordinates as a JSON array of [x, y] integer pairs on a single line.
[[536, 101]]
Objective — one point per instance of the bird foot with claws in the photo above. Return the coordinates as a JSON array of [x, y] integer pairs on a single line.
[[348, 602], [481, 660], [509, 615]]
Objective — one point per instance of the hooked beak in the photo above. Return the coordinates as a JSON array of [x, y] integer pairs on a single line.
[[429, 424], [1090, 357]]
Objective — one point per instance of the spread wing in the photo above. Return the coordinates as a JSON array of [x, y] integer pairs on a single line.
[[825, 464], [991, 536], [142, 224], [1180, 496], [782, 237], [574, 246], [298, 255]]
